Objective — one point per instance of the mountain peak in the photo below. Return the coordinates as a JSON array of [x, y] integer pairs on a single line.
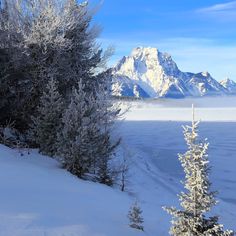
[[227, 80], [157, 74], [149, 52], [229, 84], [144, 51], [205, 74]]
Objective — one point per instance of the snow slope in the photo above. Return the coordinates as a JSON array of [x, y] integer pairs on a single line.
[[38, 198]]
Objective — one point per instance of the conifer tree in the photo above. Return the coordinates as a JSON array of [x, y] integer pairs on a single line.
[[135, 217], [198, 199], [83, 57], [107, 112], [40, 38], [75, 144], [47, 121], [43, 39], [12, 83]]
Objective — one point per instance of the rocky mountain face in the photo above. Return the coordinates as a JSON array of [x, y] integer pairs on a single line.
[[147, 72], [230, 85]]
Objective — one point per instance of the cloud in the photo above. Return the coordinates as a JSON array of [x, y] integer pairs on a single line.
[[222, 12], [229, 6]]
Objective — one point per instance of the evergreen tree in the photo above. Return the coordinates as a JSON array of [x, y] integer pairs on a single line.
[[29, 33], [43, 45], [13, 85], [43, 39], [40, 38], [107, 112], [198, 199], [75, 145], [47, 122], [83, 57], [135, 218]]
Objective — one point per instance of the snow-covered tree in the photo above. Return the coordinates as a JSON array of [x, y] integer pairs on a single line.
[[135, 217], [47, 121], [21, 72], [12, 81], [43, 39], [40, 38], [198, 198], [107, 112], [83, 57], [77, 140], [43, 43]]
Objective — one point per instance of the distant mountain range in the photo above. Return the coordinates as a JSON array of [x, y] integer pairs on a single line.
[[149, 73]]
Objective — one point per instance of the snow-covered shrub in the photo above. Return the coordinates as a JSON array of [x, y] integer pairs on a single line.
[[11, 137]]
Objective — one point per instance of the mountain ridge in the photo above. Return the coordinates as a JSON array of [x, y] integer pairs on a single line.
[[147, 72]]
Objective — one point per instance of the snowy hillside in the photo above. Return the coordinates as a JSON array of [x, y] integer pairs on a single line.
[[158, 75], [38, 198]]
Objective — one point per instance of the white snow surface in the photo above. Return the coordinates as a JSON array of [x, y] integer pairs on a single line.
[[38, 198]]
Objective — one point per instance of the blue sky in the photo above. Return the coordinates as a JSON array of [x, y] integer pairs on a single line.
[[199, 34]]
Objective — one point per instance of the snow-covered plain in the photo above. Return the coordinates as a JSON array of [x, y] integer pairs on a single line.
[[40, 199]]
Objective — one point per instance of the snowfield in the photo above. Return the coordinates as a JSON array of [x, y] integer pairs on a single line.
[[38, 198]]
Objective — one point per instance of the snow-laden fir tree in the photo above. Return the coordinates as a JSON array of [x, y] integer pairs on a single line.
[[83, 57], [47, 122], [13, 85], [77, 140], [198, 199], [43, 43], [41, 38], [135, 217], [29, 34], [107, 112]]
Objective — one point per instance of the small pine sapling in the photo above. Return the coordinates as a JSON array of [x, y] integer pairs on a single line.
[[135, 217]]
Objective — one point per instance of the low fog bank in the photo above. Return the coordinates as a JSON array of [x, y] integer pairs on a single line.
[[220, 101], [207, 109]]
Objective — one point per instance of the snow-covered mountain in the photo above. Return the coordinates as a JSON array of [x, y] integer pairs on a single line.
[[127, 87], [155, 74], [230, 85]]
